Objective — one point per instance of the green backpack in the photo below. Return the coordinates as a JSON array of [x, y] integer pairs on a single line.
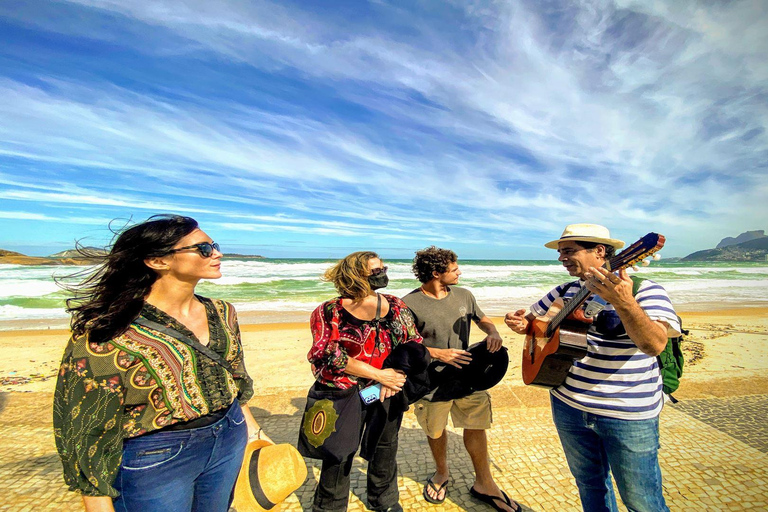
[[671, 360]]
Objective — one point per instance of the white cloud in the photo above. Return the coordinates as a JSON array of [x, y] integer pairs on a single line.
[[18, 215], [520, 116], [23, 216]]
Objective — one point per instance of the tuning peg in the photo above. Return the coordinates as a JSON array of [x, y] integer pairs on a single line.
[[645, 263], [634, 267], [657, 257]]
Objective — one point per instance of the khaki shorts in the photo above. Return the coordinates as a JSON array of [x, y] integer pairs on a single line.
[[472, 412]]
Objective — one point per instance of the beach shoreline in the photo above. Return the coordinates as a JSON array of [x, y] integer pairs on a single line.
[[245, 317], [286, 291], [722, 342], [272, 317]]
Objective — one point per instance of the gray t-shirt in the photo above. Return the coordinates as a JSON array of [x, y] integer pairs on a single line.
[[444, 323]]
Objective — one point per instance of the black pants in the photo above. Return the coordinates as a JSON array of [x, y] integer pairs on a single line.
[[332, 492]]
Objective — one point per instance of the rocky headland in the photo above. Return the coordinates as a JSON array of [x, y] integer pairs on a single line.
[[748, 246], [85, 256], [74, 258]]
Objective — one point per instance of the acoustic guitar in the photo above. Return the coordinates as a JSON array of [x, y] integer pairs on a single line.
[[553, 342]]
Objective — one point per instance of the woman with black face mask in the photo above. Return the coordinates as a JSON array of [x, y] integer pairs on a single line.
[[352, 336]]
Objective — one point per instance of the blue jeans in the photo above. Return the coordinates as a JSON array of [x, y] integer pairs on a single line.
[[597, 446], [183, 470]]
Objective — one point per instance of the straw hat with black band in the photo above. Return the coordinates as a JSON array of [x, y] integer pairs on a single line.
[[269, 474], [594, 233]]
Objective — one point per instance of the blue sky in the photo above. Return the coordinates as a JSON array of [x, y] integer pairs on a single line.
[[312, 129]]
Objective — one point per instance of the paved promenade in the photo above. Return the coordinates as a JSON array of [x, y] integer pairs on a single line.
[[714, 452]]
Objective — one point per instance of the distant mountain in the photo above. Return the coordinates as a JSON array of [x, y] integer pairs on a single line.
[[3, 252], [744, 237], [16, 258], [751, 250], [75, 253], [74, 257]]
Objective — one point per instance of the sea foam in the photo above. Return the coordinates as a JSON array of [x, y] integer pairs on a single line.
[[499, 286]]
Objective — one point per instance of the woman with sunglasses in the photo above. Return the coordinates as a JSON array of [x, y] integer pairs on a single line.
[[150, 406], [352, 336]]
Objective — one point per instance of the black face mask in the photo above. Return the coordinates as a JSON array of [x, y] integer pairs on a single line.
[[378, 281]]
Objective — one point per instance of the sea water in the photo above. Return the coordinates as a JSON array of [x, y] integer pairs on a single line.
[[295, 286]]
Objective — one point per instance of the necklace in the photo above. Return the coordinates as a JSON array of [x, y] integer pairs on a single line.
[[434, 296]]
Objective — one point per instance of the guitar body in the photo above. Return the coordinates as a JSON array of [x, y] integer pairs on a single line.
[[546, 361], [547, 358]]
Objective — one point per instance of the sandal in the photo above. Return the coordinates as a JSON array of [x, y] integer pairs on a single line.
[[436, 490], [491, 500]]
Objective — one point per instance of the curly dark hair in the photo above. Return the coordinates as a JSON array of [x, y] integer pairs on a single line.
[[109, 297], [432, 259]]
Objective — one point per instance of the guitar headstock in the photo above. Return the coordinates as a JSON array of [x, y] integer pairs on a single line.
[[646, 246]]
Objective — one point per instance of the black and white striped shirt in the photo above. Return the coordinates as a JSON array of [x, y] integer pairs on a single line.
[[615, 378]]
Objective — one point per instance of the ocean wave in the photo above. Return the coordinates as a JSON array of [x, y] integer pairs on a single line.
[[719, 274], [500, 286], [257, 267], [9, 312], [502, 270], [238, 280], [27, 288], [248, 271], [276, 305]]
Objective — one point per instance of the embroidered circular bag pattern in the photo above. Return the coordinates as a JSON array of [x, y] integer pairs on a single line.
[[320, 422]]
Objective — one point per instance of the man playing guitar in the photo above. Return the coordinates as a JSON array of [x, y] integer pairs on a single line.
[[607, 410]]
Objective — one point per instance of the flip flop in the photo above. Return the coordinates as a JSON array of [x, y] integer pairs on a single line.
[[491, 500], [436, 489]]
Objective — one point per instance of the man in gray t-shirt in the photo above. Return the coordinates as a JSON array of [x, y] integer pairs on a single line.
[[444, 314], [444, 323]]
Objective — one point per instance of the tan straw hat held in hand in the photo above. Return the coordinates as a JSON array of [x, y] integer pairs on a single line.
[[586, 233], [269, 474]]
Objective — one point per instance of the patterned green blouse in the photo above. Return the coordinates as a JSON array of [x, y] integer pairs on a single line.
[[138, 382]]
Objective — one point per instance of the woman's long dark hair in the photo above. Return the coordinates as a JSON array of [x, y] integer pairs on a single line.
[[111, 296]]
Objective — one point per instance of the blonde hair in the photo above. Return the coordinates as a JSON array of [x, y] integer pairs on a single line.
[[350, 275]]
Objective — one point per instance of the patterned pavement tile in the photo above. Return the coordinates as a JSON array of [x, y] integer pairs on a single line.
[[704, 467], [742, 417]]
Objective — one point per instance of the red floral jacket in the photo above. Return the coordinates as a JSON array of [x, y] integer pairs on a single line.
[[337, 336]]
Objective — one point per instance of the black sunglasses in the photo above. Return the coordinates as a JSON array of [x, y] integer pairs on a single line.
[[380, 270], [205, 248]]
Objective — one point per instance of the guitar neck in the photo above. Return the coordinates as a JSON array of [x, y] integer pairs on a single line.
[[571, 306]]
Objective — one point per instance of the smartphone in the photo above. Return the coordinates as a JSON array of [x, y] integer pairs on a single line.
[[370, 393]]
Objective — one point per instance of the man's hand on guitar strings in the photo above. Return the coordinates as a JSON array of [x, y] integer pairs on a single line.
[[610, 287]]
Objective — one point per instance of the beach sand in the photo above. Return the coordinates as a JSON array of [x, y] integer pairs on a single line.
[[727, 345], [713, 457]]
